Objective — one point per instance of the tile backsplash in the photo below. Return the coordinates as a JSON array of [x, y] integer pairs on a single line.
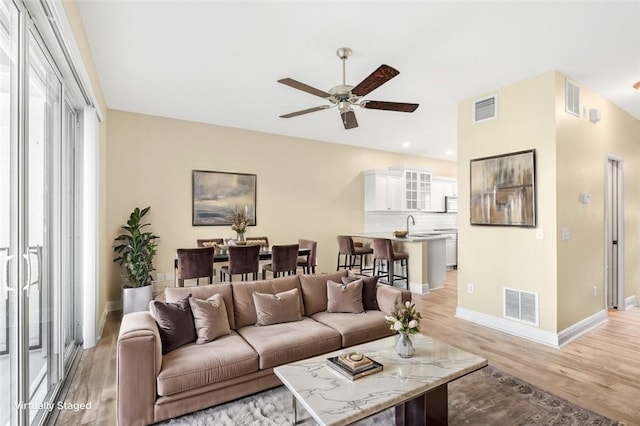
[[391, 221]]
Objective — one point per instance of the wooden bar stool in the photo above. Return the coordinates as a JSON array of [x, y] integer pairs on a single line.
[[383, 255], [351, 253]]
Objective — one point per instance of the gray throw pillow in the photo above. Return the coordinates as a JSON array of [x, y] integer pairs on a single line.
[[345, 298], [369, 289], [277, 308], [175, 323], [210, 318]]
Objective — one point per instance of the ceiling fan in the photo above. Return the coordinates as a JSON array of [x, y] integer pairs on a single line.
[[345, 96]]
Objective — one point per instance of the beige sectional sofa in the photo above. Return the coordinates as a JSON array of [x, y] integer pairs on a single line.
[[152, 387]]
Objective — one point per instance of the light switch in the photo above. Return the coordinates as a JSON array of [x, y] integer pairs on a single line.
[[539, 234]]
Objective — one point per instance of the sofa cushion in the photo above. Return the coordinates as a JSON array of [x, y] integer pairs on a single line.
[[344, 297], [314, 290], [173, 294], [193, 366], [369, 289], [356, 329], [243, 306], [277, 308], [175, 323], [389, 297], [291, 341], [210, 318]]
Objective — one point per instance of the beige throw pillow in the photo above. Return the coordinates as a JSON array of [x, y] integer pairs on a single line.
[[210, 318], [277, 308], [344, 297]]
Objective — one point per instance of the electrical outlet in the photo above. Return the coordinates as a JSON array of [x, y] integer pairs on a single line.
[[539, 234], [169, 276], [470, 288], [595, 290], [160, 276]]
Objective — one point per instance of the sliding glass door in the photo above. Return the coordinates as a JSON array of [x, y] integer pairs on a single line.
[[38, 130]]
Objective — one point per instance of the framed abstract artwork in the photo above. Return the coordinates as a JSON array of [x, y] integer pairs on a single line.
[[215, 195], [503, 190]]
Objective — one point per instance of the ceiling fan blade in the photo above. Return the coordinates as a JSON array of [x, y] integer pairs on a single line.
[[304, 87], [349, 119], [305, 111], [390, 106], [376, 79]]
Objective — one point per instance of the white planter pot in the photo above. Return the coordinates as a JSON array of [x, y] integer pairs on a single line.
[[136, 299]]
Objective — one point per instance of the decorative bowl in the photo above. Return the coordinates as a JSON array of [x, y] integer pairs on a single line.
[[400, 234]]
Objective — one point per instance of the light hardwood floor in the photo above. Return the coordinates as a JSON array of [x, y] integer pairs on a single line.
[[599, 371]]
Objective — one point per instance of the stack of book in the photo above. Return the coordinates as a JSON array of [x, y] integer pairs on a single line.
[[354, 365]]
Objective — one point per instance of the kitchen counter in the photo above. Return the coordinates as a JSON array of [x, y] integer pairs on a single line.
[[427, 257]]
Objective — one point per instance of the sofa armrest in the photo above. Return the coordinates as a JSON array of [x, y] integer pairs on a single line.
[[138, 363], [388, 297]]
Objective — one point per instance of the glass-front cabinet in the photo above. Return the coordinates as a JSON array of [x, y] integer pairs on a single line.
[[417, 190]]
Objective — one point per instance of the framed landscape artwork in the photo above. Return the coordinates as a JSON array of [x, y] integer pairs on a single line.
[[503, 190], [216, 194]]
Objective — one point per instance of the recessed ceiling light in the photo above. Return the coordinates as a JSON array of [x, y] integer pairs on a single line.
[[406, 144], [449, 152]]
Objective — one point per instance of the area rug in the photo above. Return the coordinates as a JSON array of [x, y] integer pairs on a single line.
[[485, 398]]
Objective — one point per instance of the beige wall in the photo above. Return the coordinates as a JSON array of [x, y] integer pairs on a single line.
[[495, 257], [306, 189], [571, 155], [104, 248]]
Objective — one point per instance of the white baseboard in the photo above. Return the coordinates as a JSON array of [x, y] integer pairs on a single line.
[[534, 334], [630, 302]]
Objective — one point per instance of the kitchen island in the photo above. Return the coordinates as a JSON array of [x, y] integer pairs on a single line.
[[427, 257]]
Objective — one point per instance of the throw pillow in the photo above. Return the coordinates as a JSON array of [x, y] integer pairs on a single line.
[[369, 289], [175, 323], [210, 318], [345, 297], [277, 308], [389, 298]]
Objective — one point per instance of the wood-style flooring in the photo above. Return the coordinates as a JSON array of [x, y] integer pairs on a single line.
[[599, 370]]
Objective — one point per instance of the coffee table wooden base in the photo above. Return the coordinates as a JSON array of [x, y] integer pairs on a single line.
[[431, 408]]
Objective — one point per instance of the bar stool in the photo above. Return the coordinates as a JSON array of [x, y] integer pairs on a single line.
[[383, 255], [243, 260], [351, 252]]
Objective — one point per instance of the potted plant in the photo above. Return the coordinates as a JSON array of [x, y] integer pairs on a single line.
[[135, 249]]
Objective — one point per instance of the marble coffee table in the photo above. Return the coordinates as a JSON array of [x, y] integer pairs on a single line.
[[416, 387]]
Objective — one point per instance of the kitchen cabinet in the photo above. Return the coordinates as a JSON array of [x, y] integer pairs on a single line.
[[451, 251], [442, 187], [417, 195], [383, 190]]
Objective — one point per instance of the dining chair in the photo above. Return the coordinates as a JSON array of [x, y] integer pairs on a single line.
[[384, 255], [209, 242], [194, 263], [308, 263], [243, 260], [284, 260], [352, 252]]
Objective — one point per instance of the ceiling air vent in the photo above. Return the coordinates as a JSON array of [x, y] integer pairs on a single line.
[[485, 109], [572, 98], [521, 306]]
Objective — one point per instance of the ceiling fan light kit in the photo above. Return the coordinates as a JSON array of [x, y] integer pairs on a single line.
[[345, 96]]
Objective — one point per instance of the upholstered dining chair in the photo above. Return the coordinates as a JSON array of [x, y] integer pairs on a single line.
[[209, 242], [384, 255], [308, 263], [351, 252], [243, 260], [284, 260], [194, 263]]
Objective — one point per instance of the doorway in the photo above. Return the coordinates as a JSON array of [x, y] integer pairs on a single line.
[[614, 234]]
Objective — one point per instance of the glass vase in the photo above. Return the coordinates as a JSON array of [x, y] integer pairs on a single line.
[[404, 346], [240, 238]]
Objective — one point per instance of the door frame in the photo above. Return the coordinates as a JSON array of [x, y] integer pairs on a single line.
[[621, 232]]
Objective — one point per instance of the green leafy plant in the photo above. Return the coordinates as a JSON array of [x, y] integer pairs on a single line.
[[135, 249]]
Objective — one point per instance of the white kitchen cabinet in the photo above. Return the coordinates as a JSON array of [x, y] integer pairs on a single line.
[[383, 190], [417, 194], [442, 187]]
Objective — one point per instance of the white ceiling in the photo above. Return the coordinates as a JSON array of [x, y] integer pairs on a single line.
[[218, 61]]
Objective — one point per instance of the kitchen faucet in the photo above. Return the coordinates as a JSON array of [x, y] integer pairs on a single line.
[[412, 220]]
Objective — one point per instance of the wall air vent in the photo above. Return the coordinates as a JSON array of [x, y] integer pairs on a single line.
[[572, 98], [485, 109], [521, 306]]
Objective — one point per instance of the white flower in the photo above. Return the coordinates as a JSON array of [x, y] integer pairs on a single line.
[[397, 326], [407, 304], [388, 318], [413, 324]]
